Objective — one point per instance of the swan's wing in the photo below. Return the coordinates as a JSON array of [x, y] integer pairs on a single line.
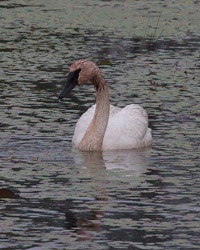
[[135, 120], [127, 129], [113, 111], [82, 125]]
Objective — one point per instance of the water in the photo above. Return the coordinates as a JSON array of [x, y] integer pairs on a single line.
[[137, 199]]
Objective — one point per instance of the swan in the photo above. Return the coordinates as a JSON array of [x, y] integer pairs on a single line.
[[103, 126]]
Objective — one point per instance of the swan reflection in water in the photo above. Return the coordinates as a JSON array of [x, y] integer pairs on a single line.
[[84, 216], [134, 160]]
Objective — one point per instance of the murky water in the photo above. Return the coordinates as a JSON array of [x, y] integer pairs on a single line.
[[149, 53]]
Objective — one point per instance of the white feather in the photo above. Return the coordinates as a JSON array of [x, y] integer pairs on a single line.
[[127, 128]]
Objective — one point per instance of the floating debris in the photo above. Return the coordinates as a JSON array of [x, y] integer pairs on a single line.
[[6, 193]]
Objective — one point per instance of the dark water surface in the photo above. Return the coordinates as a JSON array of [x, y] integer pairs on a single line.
[[149, 52]]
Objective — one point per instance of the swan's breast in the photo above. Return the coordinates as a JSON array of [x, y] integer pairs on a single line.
[[82, 125], [85, 120]]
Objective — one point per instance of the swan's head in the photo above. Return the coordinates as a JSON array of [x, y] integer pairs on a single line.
[[81, 72]]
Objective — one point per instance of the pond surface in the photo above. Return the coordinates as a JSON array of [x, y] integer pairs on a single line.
[[149, 53]]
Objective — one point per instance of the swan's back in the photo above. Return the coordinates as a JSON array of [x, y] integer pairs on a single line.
[[127, 128]]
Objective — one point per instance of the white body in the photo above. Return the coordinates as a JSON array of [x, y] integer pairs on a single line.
[[127, 128]]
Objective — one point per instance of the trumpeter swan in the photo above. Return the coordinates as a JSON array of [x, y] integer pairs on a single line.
[[103, 126]]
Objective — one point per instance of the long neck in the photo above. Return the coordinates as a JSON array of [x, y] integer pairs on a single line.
[[93, 138]]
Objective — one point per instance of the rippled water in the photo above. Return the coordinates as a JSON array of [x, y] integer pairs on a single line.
[[137, 199]]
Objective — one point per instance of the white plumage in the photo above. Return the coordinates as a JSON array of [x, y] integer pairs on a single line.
[[127, 128]]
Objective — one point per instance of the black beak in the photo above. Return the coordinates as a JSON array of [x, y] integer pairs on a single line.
[[72, 81]]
